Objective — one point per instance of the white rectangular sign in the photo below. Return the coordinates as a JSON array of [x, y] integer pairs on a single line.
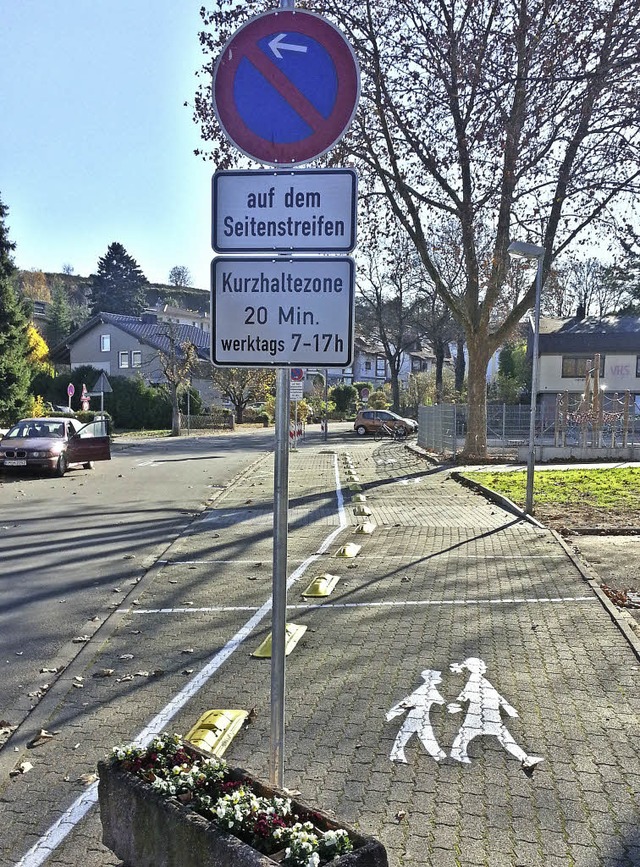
[[301, 211], [297, 391], [282, 312]]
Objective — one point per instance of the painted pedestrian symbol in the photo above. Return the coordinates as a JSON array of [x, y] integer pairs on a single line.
[[483, 716], [417, 720], [286, 87]]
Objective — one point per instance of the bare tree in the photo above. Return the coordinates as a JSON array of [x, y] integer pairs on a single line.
[[582, 287], [180, 276], [243, 385], [177, 364], [389, 284], [515, 120]]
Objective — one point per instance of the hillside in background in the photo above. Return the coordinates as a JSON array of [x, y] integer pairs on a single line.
[[37, 285]]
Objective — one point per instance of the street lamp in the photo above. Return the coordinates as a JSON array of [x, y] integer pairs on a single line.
[[523, 250]]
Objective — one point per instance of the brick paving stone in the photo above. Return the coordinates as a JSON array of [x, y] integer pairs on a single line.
[[444, 577]]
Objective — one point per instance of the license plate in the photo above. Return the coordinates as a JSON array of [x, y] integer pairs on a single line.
[[13, 462]]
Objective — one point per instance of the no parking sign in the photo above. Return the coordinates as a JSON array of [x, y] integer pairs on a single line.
[[286, 87]]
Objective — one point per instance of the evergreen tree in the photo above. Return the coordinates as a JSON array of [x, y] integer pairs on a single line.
[[60, 321], [15, 375], [119, 285]]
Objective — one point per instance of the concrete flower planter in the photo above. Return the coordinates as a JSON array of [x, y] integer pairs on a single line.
[[146, 829]]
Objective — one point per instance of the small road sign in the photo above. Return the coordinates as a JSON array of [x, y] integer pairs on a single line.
[[282, 312], [297, 391], [71, 389], [302, 211], [286, 87], [297, 374]]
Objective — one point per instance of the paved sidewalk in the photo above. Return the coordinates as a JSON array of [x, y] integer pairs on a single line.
[[448, 583]]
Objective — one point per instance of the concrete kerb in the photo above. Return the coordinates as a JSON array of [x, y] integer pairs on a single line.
[[622, 619], [74, 658]]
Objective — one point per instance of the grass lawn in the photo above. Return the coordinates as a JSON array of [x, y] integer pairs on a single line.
[[580, 497]]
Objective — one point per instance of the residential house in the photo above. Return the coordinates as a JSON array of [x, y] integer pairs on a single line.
[[181, 316], [130, 346], [567, 348]]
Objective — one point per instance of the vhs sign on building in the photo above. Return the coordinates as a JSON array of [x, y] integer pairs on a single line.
[[282, 312]]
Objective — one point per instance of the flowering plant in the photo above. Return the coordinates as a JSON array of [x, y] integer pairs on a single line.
[[173, 769]]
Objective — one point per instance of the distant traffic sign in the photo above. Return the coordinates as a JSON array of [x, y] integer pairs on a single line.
[[282, 312], [286, 87], [302, 211], [297, 374]]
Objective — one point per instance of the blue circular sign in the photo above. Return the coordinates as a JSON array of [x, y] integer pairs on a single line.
[[286, 87]]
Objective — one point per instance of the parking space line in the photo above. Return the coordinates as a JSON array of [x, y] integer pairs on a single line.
[[216, 609]]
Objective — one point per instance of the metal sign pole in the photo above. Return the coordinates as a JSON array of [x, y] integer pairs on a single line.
[[279, 592]]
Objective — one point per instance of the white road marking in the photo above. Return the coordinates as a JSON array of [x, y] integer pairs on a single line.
[[63, 826], [215, 609], [483, 717]]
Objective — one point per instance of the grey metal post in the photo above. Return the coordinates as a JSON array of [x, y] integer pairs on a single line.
[[455, 431], [326, 404], [279, 591], [531, 458]]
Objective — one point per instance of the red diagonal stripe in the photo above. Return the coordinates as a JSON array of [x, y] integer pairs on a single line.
[[287, 90]]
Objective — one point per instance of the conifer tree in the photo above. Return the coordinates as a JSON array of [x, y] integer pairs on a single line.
[[60, 321], [119, 285], [15, 375]]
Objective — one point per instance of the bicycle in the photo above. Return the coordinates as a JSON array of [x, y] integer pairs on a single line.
[[399, 434]]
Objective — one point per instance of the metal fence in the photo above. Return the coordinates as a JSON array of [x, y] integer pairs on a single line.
[[213, 421], [443, 429]]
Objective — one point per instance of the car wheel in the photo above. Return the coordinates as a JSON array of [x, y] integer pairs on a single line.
[[361, 430], [402, 431], [89, 465], [62, 466]]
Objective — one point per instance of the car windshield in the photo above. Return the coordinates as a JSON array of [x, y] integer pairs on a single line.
[[32, 429]]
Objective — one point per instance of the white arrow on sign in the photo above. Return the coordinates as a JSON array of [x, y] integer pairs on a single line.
[[276, 44]]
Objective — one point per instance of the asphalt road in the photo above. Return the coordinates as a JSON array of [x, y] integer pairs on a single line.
[[71, 549]]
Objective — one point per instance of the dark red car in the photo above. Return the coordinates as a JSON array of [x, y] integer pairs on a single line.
[[54, 444]]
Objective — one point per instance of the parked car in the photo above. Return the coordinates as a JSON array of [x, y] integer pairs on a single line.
[[55, 444], [370, 420]]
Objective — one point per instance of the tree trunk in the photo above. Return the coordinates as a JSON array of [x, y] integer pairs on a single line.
[[175, 411], [476, 437], [395, 391], [239, 411]]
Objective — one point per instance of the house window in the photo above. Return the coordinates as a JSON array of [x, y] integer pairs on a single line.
[[136, 358], [381, 367], [637, 365], [105, 343], [367, 365], [576, 366], [123, 359]]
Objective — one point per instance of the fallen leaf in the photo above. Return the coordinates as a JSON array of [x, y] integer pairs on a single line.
[[40, 739], [104, 672], [87, 779], [127, 656], [22, 768], [399, 816]]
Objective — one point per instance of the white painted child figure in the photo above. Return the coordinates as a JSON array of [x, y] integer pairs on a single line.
[[483, 714], [417, 720]]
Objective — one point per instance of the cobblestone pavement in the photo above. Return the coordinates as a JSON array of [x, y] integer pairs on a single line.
[[445, 577]]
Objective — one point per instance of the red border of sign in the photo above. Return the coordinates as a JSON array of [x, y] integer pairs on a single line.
[[347, 71]]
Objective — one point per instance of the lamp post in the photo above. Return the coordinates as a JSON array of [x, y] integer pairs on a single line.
[[523, 250]]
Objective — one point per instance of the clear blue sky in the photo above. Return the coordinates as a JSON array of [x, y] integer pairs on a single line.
[[96, 145]]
